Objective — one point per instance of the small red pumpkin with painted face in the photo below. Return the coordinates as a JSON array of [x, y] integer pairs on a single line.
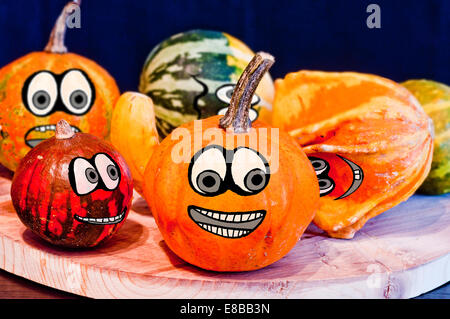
[[73, 190]]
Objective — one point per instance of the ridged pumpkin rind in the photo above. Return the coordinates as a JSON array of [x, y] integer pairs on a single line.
[[370, 120]]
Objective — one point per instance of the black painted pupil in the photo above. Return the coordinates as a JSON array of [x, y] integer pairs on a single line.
[[41, 99], [255, 180], [318, 164], [209, 181], [112, 172], [78, 99], [324, 183], [91, 175]]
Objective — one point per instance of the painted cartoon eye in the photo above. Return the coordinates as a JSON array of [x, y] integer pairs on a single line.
[[208, 170], [41, 93], [250, 170], [76, 92], [319, 165], [83, 176], [108, 169], [252, 113], [326, 186], [225, 92]]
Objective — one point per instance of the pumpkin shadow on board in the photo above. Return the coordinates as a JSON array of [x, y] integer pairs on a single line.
[[176, 261], [6, 173], [130, 235], [140, 206], [273, 271]]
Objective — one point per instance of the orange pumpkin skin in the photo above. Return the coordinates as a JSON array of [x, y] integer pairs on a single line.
[[368, 120], [290, 200], [16, 120]]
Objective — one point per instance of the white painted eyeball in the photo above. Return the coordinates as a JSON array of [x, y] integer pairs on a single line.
[[109, 171], [41, 93], [326, 186], [76, 92], [208, 170], [250, 171], [83, 176]]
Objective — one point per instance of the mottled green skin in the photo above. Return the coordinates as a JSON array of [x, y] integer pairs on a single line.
[[179, 97], [430, 93]]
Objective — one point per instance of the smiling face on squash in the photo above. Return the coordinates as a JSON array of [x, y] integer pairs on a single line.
[[239, 172]]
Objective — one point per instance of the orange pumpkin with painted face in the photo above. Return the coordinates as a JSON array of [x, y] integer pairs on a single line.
[[220, 198], [41, 88]]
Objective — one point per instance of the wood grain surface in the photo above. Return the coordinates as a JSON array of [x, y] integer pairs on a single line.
[[402, 253]]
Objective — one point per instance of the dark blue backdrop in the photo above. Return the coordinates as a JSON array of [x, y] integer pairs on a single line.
[[413, 41]]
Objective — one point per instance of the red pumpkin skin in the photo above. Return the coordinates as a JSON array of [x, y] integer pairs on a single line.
[[46, 202]]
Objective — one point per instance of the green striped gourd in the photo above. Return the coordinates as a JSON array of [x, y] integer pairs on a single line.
[[191, 75]]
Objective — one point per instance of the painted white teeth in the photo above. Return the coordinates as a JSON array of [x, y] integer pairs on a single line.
[[222, 230], [102, 220], [230, 217], [225, 232]]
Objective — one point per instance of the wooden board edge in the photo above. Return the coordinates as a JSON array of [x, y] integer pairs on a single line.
[[70, 276]]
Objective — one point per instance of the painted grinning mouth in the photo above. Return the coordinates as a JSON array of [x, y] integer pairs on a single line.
[[39, 133], [102, 220], [228, 225]]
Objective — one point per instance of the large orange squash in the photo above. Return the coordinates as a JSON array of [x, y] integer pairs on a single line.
[[368, 138], [228, 194], [41, 88]]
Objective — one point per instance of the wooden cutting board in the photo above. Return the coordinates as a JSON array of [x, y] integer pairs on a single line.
[[400, 254]]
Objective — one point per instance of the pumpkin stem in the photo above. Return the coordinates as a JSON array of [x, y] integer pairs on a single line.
[[240, 103], [56, 41], [63, 130]]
